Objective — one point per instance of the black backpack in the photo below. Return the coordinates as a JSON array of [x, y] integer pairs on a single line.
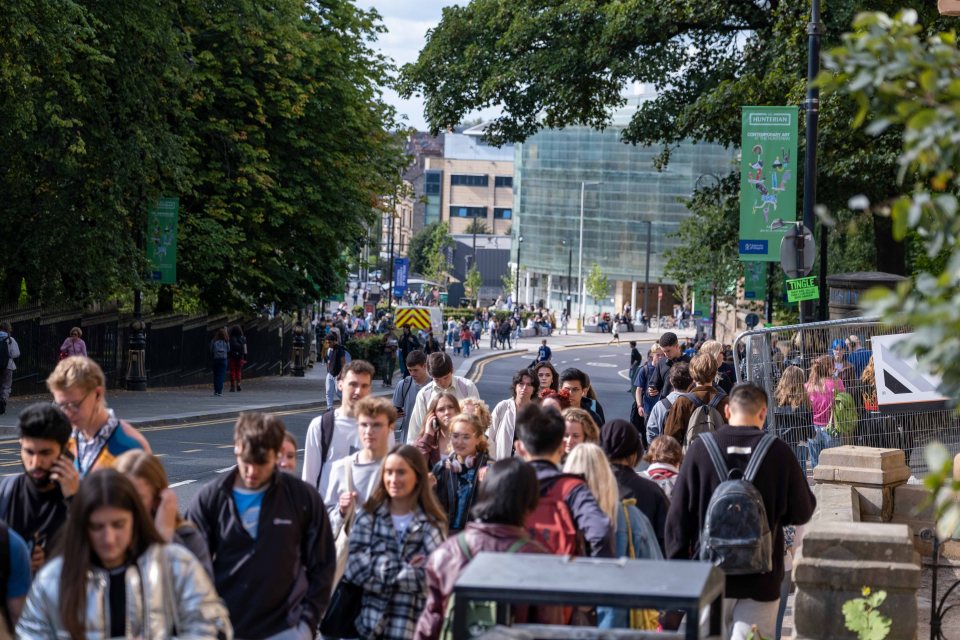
[[736, 534], [4, 353]]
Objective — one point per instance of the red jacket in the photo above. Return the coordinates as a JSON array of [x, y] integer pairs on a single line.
[[448, 561]]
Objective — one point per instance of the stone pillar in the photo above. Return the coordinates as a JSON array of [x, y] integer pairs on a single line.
[[549, 291], [838, 560], [873, 472]]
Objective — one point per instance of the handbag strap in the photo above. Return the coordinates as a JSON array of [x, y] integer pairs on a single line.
[[352, 512]]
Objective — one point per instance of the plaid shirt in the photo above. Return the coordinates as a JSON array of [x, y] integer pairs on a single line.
[[394, 591]]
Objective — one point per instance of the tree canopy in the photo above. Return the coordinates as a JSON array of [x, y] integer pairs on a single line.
[[267, 122]]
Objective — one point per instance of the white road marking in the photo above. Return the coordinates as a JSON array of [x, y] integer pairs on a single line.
[[180, 484], [609, 355], [576, 359], [624, 373], [600, 364], [191, 450], [225, 469]]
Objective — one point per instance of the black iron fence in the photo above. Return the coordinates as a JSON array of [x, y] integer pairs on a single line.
[[178, 346]]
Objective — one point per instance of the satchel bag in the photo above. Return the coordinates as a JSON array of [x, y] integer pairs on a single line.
[[342, 543], [340, 619]]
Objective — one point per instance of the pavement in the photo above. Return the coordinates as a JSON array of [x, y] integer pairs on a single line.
[[175, 405]]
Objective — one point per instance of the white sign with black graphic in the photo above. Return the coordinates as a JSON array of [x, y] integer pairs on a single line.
[[902, 385]]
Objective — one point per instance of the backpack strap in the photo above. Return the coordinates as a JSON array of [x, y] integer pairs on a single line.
[[326, 437], [715, 401], [715, 456], [667, 403], [692, 397], [517, 545], [464, 547], [757, 458]]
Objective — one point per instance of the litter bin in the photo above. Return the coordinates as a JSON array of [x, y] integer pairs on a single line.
[[535, 579]]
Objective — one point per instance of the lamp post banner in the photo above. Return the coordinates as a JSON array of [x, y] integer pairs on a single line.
[[401, 269], [162, 240], [768, 180], [754, 280]]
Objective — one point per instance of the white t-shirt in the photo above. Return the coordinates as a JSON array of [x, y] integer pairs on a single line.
[[365, 476], [401, 524], [345, 442]]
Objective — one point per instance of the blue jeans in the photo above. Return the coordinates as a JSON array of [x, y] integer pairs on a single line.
[[465, 345], [820, 441], [219, 374], [331, 390]]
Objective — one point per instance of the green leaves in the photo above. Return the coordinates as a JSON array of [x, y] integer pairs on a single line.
[[596, 284], [862, 615]]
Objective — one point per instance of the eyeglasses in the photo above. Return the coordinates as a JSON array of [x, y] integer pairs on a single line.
[[71, 407]]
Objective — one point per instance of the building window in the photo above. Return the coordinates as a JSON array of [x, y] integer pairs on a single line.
[[503, 181], [468, 212], [499, 213], [463, 180], [432, 183]]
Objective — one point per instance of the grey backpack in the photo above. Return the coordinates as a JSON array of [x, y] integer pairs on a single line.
[[736, 534], [705, 418]]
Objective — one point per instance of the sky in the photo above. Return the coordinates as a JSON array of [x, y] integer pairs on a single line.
[[407, 22]]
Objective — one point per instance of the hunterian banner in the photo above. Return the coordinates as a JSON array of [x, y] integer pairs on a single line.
[[162, 240], [768, 180]]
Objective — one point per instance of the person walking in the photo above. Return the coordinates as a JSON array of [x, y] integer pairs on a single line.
[[523, 388], [435, 437], [544, 353], [407, 344], [460, 472], [750, 598], [336, 360], [35, 503], [78, 387], [507, 496], [703, 370], [237, 356], [74, 344], [397, 529], [540, 443], [821, 388], [9, 352], [405, 394], [116, 576], [265, 528], [219, 350], [149, 478], [440, 368], [333, 434], [390, 347]]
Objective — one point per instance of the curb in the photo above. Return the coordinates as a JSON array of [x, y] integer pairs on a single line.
[[476, 364]]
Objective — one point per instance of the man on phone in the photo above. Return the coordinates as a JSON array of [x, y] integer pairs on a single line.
[[35, 502]]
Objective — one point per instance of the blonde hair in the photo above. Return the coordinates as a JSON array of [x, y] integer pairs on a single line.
[[76, 372], [713, 348], [591, 432], [483, 411], [478, 430], [590, 461], [146, 466], [790, 390]]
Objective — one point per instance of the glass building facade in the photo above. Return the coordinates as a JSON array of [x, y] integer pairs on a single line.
[[549, 169]]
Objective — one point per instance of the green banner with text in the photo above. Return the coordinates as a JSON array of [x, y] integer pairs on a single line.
[[754, 280], [162, 240], [768, 189]]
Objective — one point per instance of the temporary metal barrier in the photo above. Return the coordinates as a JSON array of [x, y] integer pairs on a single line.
[[763, 355]]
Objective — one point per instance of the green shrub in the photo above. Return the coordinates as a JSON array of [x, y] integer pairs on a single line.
[[369, 348]]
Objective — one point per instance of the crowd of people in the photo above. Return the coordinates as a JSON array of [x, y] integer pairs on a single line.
[[395, 497]]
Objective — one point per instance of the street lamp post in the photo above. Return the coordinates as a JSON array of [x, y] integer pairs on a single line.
[[646, 275], [580, 287], [516, 302]]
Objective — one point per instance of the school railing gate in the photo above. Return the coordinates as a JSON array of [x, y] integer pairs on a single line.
[[765, 357]]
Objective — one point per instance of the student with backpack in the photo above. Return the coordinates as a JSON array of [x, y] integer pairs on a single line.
[[405, 393], [620, 441], [635, 536], [735, 518], [568, 520], [682, 382], [699, 410], [508, 495]]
